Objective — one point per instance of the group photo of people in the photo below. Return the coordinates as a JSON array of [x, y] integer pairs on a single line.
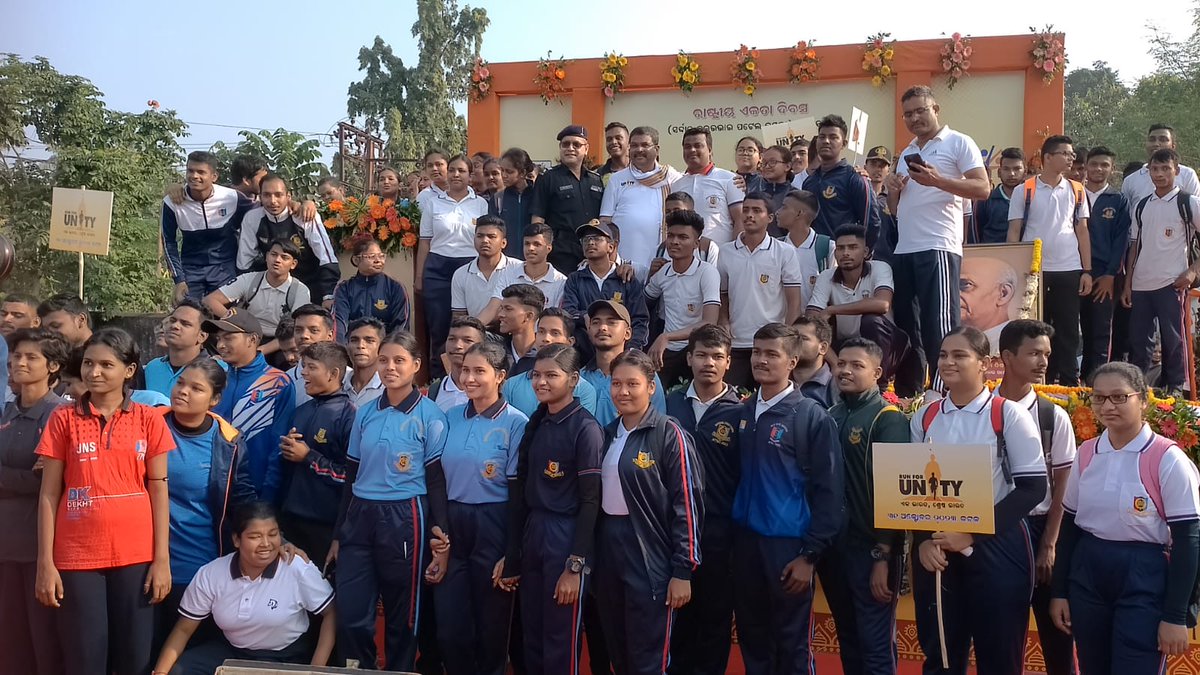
[[622, 420]]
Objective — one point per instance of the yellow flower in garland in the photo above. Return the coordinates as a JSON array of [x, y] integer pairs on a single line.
[[685, 72], [877, 81], [750, 66], [682, 59], [608, 77], [1035, 266], [749, 90], [689, 77], [878, 52], [694, 66]]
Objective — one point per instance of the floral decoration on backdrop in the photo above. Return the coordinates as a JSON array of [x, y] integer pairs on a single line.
[[956, 58], [551, 78], [686, 72], [480, 86], [878, 53], [612, 74], [1049, 53], [744, 69], [394, 225], [804, 62]]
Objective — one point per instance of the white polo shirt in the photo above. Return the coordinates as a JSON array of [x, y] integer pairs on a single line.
[[713, 192], [638, 211], [761, 406], [1163, 256], [612, 497], [372, 391], [470, 291], [684, 296], [1061, 452], [1052, 219], [270, 612], [700, 407], [449, 395], [1137, 185], [928, 218], [1103, 498], [268, 303], [810, 268], [755, 280], [972, 424], [550, 284], [877, 275], [449, 225]]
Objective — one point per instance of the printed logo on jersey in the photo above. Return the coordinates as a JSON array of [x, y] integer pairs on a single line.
[[272, 603], [617, 297], [691, 308], [86, 451], [403, 463], [723, 433], [764, 278], [320, 437], [553, 470], [381, 304], [643, 460], [1140, 504], [1169, 232], [713, 201], [1109, 213], [140, 448], [775, 435], [490, 470], [829, 192], [856, 435], [79, 499], [222, 212], [255, 410]]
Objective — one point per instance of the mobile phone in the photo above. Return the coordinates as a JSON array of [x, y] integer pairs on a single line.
[[914, 158], [330, 572]]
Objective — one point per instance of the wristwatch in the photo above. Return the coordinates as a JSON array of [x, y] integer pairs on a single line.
[[810, 556], [575, 564], [878, 554]]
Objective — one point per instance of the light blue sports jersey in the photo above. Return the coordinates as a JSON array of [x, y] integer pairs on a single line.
[[606, 410], [393, 445], [518, 391], [481, 452], [161, 376], [150, 398]]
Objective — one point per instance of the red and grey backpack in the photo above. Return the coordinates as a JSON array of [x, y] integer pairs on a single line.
[[997, 415]]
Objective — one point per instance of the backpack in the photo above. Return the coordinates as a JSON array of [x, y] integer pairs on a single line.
[[997, 425], [288, 297], [1045, 420], [1031, 186], [821, 248], [1149, 462], [1183, 201]]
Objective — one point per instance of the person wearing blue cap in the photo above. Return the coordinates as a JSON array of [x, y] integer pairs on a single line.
[[567, 196]]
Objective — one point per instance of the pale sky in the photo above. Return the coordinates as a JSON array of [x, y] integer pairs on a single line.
[[275, 64]]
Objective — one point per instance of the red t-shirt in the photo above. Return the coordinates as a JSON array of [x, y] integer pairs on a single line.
[[104, 519]]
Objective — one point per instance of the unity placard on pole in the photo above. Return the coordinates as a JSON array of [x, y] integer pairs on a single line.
[[81, 221]]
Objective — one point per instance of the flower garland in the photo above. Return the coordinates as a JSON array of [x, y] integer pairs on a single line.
[[878, 53], [550, 77], [1032, 280], [480, 86], [1049, 54], [686, 72], [612, 74], [804, 63], [744, 69], [956, 58], [393, 224]]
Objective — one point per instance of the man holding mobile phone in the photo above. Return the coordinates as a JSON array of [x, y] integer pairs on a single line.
[[941, 168]]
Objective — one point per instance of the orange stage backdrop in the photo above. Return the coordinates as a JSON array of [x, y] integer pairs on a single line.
[[1002, 61]]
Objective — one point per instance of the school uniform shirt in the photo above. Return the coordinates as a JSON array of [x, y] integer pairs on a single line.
[[845, 196], [449, 225], [550, 284], [259, 401], [606, 410], [394, 444], [200, 238], [513, 207], [316, 266], [1061, 452], [370, 392], [612, 497], [378, 296], [566, 446], [1108, 230], [972, 424], [161, 375], [830, 290], [928, 218], [755, 279], [1163, 254], [1105, 499], [313, 487], [104, 518], [1052, 212], [267, 303], [268, 613], [684, 296], [989, 218], [193, 534], [566, 202], [470, 291], [714, 192], [447, 395], [21, 429], [481, 452], [583, 288], [713, 425], [1137, 185], [518, 391], [862, 420], [798, 180], [638, 210]]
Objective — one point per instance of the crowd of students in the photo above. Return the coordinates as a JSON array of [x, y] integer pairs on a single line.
[[657, 418]]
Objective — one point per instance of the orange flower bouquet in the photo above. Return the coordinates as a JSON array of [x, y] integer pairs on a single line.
[[744, 69], [804, 63], [395, 225], [480, 86], [551, 78], [878, 53], [612, 75], [1049, 54]]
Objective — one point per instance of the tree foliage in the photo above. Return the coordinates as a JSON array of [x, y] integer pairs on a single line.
[[289, 153], [132, 155], [413, 106]]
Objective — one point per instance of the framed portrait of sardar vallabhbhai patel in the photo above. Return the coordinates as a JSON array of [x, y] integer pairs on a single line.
[[999, 283]]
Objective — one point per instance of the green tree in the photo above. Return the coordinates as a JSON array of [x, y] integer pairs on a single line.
[[413, 106], [288, 153], [131, 154]]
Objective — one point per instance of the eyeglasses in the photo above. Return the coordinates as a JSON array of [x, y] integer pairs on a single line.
[[1116, 399], [771, 162], [572, 144], [1065, 153], [916, 112], [373, 258], [592, 238], [747, 151]]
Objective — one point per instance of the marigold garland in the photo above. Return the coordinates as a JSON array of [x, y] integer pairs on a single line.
[[393, 224], [804, 62], [956, 58], [551, 78], [612, 74], [686, 72], [878, 53], [480, 86], [1033, 280], [744, 69], [1049, 54]]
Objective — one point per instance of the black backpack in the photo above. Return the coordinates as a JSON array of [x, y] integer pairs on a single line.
[[1183, 201]]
